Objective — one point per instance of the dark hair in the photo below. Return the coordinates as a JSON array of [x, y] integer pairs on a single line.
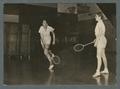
[[44, 20], [100, 14]]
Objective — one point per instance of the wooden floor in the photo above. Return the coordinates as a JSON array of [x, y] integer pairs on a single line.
[[74, 69]]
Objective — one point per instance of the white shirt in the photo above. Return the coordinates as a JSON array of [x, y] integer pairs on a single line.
[[101, 40], [100, 29], [45, 34]]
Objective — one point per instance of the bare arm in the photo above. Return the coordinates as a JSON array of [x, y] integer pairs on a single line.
[[41, 36], [53, 34]]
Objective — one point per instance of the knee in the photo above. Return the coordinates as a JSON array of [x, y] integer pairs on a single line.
[[47, 46], [45, 52], [98, 56], [99, 53]]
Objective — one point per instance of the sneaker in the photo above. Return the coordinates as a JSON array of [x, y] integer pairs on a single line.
[[104, 72], [51, 67], [97, 74]]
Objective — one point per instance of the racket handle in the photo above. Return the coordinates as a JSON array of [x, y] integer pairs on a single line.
[[89, 43]]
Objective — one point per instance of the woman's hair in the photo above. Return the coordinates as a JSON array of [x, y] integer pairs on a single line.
[[100, 14]]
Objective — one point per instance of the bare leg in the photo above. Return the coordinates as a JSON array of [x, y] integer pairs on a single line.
[[47, 55], [46, 52], [99, 62], [52, 55], [104, 62], [42, 45]]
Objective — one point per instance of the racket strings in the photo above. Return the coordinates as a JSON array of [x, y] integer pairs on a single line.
[[78, 47], [55, 58]]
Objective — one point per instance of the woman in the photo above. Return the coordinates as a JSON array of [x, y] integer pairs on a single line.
[[45, 31], [100, 44]]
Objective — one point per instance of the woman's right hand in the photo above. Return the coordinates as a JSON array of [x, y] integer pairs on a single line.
[[94, 40], [95, 43]]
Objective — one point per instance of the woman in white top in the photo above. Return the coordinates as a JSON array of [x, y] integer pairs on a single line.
[[45, 31], [100, 44]]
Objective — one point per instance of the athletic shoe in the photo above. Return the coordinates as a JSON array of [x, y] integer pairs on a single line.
[[97, 74], [104, 72]]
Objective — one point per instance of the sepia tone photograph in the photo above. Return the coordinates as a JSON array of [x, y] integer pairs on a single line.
[[60, 44]]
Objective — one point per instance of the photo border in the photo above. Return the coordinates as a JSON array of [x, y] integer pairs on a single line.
[[116, 86]]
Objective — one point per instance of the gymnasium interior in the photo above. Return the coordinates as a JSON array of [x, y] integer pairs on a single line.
[[24, 59]]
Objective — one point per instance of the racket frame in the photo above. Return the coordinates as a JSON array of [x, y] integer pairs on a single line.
[[58, 58], [83, 46]]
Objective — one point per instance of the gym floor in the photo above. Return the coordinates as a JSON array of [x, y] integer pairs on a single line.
[[74, 69]]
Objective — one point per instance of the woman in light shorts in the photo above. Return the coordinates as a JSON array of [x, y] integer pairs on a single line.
[[100, 44], [46, 39]]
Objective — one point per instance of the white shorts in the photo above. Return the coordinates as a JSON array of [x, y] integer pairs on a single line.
[[101, 42], [45, 45]]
